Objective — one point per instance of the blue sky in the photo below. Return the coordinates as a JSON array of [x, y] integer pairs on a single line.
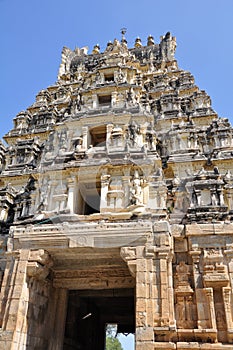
[[33, 33]]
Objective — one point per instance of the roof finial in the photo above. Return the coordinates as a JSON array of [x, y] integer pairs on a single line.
[[123, 31]]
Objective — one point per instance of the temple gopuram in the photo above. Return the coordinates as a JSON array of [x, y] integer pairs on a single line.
[[116, 207]]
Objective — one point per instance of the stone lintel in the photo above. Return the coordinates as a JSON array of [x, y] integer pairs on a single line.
[[196, 345], [94, 283], [196, 229], [102, 235]]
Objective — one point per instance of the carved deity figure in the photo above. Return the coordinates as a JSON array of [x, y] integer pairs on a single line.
[[49, 146], [3, 212], [134, 131], [180, 312], [44, 193], [76, 104], [120, 77], [78, 144], [214, 198], [150, 138], [98, 78], [136, 190], [20, 157], [63, 142], [185, 311], [131, 97]]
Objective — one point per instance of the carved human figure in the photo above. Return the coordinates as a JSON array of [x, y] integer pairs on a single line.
[[175, 183], [49, 146], [76, 104], [131, 97], [189, 309], [205, 145], [179, 141], [194, 198], [120, 76], [136, 189], [98, 78], [197, 196], [63, 142], [3, 212], [20, 157], [44, 193], [78, 144], [214, 198], [195, 140], [134, 130], [180, 311], [150, 138]]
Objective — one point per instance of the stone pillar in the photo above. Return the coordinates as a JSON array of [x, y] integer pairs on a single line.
[[196, 273], [7, 287], [24, 300], [33, 201], [216, 141], [84, 132], [164, 316], [210, 298], [197, 283], [221, 197], [143, 270], [71, 188], [171, 292], [204, 302], [39, 316], [227, 306], [95, 101], [15, 290], [109, 132], [105, 178], [143, 130], [114, 98], [229, 194], [227, 294], [59, 321], [52, 204], [126, 186], [151, 266], [153, 196]]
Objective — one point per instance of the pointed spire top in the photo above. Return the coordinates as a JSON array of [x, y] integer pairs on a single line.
[[138, 42], [123, 31]]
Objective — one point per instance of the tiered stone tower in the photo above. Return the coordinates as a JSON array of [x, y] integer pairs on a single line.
[[116, 202]]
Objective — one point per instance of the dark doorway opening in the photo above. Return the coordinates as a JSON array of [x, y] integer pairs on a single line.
[[89, 198], [105, 100], [98, 136], [90, 310]]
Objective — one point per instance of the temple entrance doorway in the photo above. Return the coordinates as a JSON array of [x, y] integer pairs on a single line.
[[89, 312]]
